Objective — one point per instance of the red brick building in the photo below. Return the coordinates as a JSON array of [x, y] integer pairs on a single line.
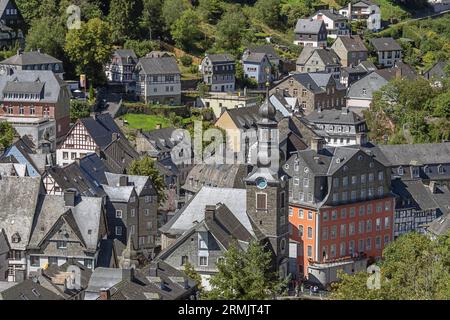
[[340, 205]]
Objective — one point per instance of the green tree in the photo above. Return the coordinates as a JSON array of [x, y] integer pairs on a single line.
[[151, 20], [172, 10], [268, 11], [141, 48], [245, 275], [294, 11], [414, 267], [146, 167], [79, 110], [48, 35], [210, 10], [122, 17], [28, 8], [230, 30], [6, 134], [89, 48], [185, 30], [194, 275]]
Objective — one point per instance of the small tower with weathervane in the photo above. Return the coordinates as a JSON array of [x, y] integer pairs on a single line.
[[267, 189]]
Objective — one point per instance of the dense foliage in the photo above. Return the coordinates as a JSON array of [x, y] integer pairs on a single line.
[[414, 267]]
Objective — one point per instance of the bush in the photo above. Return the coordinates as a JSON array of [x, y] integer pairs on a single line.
[[186, 60]]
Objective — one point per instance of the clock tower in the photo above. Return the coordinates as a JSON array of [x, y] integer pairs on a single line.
[[267, 189]]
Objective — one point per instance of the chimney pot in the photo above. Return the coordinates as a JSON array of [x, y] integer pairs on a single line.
[[317, 144], [123, 181], [69, 198], [105, 294], [210, 212]]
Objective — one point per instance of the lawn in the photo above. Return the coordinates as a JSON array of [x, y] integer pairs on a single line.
[[145, 122]]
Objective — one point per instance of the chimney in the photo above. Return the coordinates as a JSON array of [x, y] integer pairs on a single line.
[[350, 11], [317, 144], [361, 139], [210, 212], [123, 181], [128, 274], [69, 198], [115, 136], [433, 187], [98, 152], [154, 269], [105, 294]]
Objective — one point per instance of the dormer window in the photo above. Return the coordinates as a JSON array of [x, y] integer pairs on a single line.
[[364, 91], [440, 169], [415, 171], [427, 169], [15, 238], [400, 171]]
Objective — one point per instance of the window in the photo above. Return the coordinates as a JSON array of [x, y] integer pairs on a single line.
[[300, 213], [203, 261], [296, 181], [345, 181], [351, 247], [380, 191], [300, 230], [336, 182], [386, 239], [301, 196], [363, 178], [132, 213], [306, 182], [440, 169], [361, 227], [378, 224], [379, 207], [61, 244], [400, 171], [334, 215], [369, 244], [333, 232], [309, 251], [343, 231], [378, 242], [88, 263], [387, 223], [291, 211], [310, 215], [35, 261], [351, 229], [325, 216], [53, 260], [380, 175], [310, 231], [369, 209], [73, 155], [65, 155], [352, 212], [361, 211], [148, 199], [353, 195], [146, 212], [118, 230], [184, 260], [342, 249], [261, 201], [387, 206], [343, 213], [371, 177], [119, 214], [21, 110], [369, 226], [333, 251], [325, 233], [32, 110]]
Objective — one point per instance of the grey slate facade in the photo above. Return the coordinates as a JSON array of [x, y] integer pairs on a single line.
[[218, 72]]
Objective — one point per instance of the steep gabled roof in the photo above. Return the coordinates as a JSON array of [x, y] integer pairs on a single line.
[[101, 129], [352, 43], [29, 58], [29, 290], [385, 44], [163, 65], [308, 26], [220, 58]]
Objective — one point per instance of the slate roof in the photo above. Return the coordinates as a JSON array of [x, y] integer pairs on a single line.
[[94, 168], [267, 49], [416, 191], [18, 201], [315, 82], [104, 278], [352, 43], [29, 58], [216, 175], [101, 129], [308, 26], [194, 210], [84, 218], [221, 58], [385, 44], [164, 65], [118, 194], [162, 139], [371, 83], [332, 14], [427, 153], [437, 70], [4, 243], [29, 290], [247, 117], [13, 169], [35, 81], [138, 182], [335, 116], [119, 155], [400, 69], [328, 56], [440, 226], [254, 57], [124, 54], [72, 176], [53, 270]]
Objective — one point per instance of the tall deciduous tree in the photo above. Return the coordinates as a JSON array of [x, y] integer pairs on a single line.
[[230, 30], [79, 110], [89, 48], [268, 11], [151, 21], [185, 30], [146, 167], [210, 10], [245, 275], [122, 17], [48, 35], [172, 10]]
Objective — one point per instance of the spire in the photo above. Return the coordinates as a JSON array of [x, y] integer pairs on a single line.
[[267, 111]]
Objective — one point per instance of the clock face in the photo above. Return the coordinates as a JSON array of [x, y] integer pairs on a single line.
[[261, 183]]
